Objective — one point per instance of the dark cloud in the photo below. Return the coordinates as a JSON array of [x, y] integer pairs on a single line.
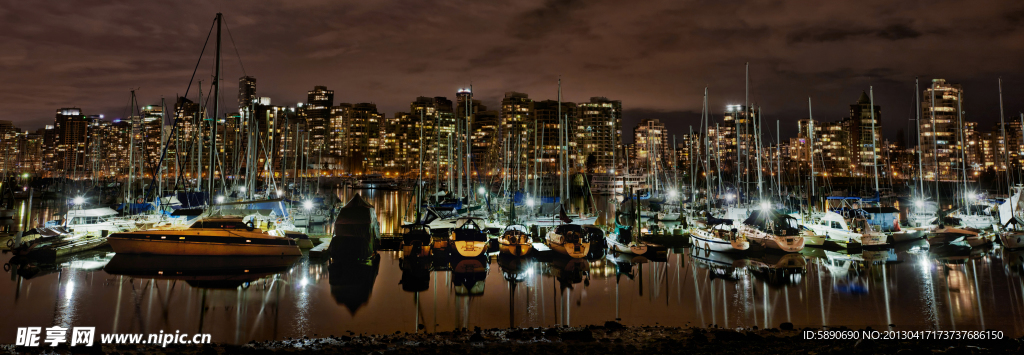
[[656, 56]]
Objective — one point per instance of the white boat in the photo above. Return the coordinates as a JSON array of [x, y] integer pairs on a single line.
[[97, 222], [1012, 236], [717, 235], [208, 236], [772, 231], [569, 239]]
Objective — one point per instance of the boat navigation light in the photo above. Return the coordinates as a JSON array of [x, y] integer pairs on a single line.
[[308, 204], [79, 200], [919, 203], [220, 199]]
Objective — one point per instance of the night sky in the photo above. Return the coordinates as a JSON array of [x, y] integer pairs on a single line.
[[655, 56]]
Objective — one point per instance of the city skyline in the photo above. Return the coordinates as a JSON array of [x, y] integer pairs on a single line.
[[82, 59]]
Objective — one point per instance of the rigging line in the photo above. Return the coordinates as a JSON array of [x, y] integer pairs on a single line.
[[235, 47]]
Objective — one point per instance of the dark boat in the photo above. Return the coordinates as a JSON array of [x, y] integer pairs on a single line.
[[356, 233]]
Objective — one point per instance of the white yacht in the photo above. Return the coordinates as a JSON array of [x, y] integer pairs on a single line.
[[771, 230]]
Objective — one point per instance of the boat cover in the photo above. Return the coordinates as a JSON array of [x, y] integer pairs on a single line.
[[355, 230]]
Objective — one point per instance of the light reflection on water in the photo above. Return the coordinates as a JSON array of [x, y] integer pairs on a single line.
[[909, 286]]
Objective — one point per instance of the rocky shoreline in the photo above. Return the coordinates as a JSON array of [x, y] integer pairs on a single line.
[[611, 338]]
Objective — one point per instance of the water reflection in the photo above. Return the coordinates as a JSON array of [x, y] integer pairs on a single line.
[[910, 285]]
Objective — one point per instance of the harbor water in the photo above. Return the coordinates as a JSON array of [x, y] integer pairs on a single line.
[[909, 287]]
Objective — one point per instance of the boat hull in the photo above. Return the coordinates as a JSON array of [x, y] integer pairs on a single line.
[[177, 247], [702, 240], [467, 248], [515, 249], [574, 250], [1012, 240]]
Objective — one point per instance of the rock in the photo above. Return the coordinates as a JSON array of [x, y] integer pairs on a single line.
[[786, 326], [613, 325]]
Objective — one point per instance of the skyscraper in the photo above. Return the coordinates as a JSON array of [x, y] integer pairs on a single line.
[[939, 129], [246, 92], [599, 132], [317, 114], [864, 144]]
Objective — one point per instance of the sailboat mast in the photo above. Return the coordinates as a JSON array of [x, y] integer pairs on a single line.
[[1006, 150], [760, 191], [935, 149], [216, 111], [920, 160], [561, 145], [419, 178], [810, 130], [960, 136], [874, 142]]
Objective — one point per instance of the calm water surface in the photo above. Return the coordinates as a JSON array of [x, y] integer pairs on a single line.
[[238, 300]]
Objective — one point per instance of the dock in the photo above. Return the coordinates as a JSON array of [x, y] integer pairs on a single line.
[[320, 251]]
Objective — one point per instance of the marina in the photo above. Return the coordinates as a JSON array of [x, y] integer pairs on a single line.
[[240, 299]]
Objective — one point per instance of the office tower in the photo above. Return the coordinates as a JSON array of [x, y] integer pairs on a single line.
[[484, 143]]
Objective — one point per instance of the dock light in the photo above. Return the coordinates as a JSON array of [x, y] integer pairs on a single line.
[[220, 199], [611, 171], [919, 203], [730, 197], [972, 196], [529, 202], [765, 206], [78, 200], [308, 204], [241, 188], [278, 193], [672, 193], [481, 190]]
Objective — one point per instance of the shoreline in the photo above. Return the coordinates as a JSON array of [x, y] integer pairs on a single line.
[[609, 338]]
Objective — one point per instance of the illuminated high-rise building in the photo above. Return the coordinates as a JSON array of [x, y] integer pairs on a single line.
[[599, 132]]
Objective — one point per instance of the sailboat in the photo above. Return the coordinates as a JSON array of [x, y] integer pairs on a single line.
[[468, 238], [772, 230], [569, 239], [515, 240]]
